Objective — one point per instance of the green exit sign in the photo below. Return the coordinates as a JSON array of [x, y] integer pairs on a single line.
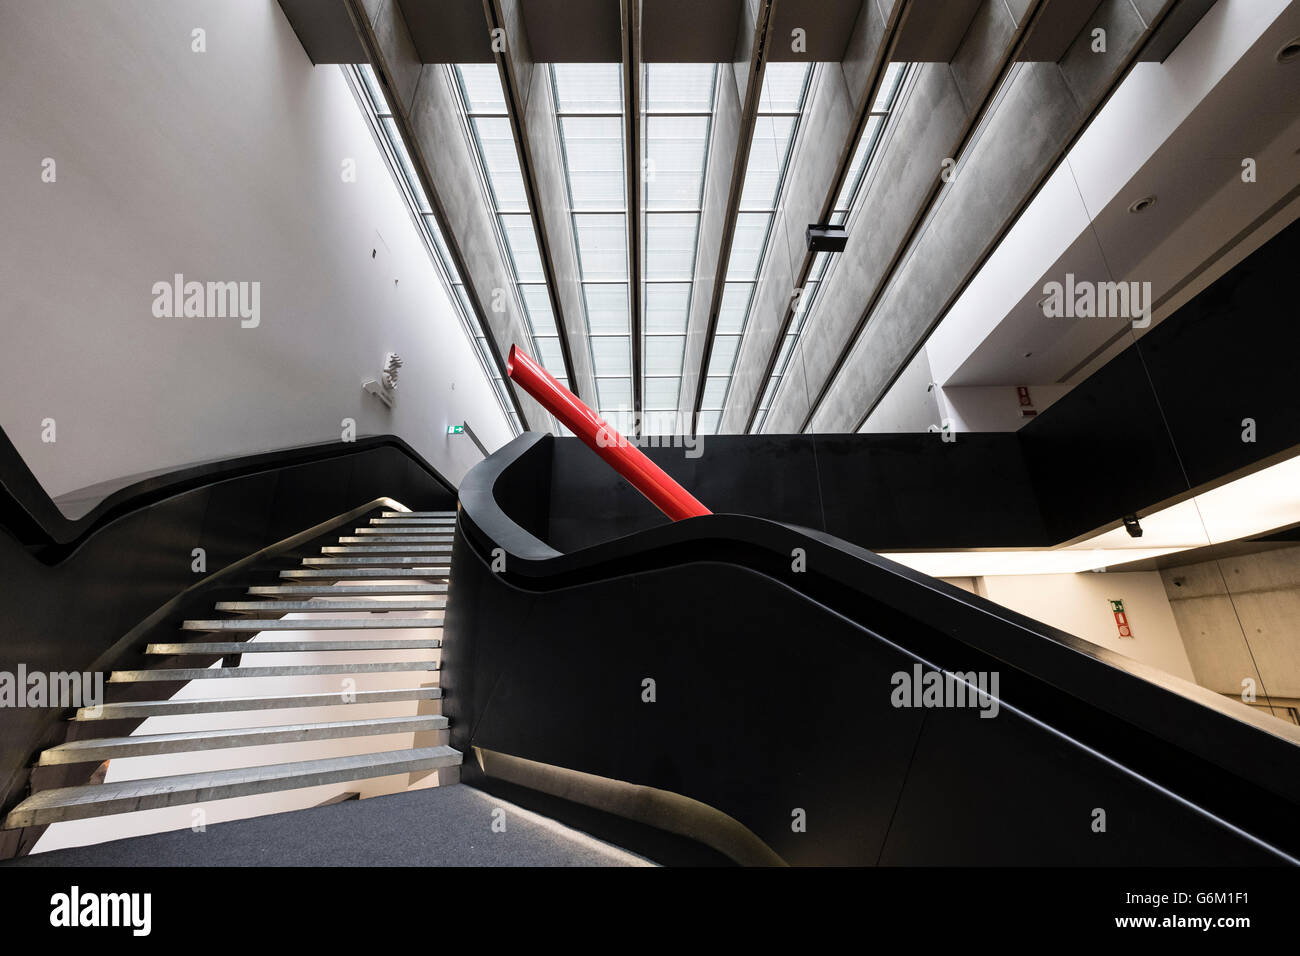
[[455, 429]]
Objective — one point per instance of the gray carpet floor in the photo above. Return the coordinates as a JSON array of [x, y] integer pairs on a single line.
[[439, 826]]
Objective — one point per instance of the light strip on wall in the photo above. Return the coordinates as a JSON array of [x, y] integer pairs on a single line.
[[1255, 504]]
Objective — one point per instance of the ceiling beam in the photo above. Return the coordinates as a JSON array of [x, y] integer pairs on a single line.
[[525, 85], [424, 111], [869, 52], [748, 66], [631, 25], [1038, 117], [944, 108]]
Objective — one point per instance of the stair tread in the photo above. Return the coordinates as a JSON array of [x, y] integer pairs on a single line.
[[417, 514], [414, 549], [330, 590], [408, 519], [289, 607], [217, 705], [338, 573], [450, 533], [420, 538], [71, 803], [386, 560], [107, 748], [286, 670], [312, 624], [290, 647]]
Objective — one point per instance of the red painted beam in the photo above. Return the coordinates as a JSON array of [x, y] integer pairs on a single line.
[[645, 476]]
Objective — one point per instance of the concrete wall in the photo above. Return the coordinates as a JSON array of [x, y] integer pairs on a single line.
[[224, 165], [1240, 618], [1080, 605]]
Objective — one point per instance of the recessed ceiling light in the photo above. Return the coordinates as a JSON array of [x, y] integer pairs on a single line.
[[1289, 52], [1146, 202]]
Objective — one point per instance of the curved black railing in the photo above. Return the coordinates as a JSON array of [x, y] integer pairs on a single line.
[[774, 654]]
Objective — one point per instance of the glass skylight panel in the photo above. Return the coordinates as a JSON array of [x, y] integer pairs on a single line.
[[666, 305], [724, 353], [661, 394], [677, 100], [715, 390], [670, 245], [781, 102], [549, 352], [607, 312], [615, 394], [747, 245], [404, 164], [497, 146], [522, 242], [679, 87], [735, 303], [663, 354], [593, 153], [373, 91], [480, 84], [611, 355], [889, 88], [709, 419], [602, 246], [676, 148], [588, 87], [849, 196], [484, 106], [767, 160], [858, 166], [538, 304], [783, 87]]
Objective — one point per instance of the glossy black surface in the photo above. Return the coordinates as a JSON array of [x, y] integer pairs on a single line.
[[773, 694]]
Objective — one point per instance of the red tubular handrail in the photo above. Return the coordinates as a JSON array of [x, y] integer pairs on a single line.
[[645, 476]]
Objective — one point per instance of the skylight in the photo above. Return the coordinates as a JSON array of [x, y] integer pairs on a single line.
[[484, 108], [677, 100], [370, 96], [781, 103], [845, 204], [589, 112]]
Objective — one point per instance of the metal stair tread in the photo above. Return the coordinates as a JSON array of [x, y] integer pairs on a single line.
[[289, 647], [312, 624], [108, 748], [73, 803], [219, 705], [286, 670]]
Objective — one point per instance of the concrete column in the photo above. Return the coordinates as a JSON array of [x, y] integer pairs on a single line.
[[1043, 107], [424, 104], [541, 158], [932, 119]]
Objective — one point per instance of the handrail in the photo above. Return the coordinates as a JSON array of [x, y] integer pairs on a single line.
[[643, 474], [1191, 718], [29, 514]]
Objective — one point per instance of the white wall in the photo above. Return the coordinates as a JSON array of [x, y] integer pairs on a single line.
[[1079, 604], [222, 165]]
